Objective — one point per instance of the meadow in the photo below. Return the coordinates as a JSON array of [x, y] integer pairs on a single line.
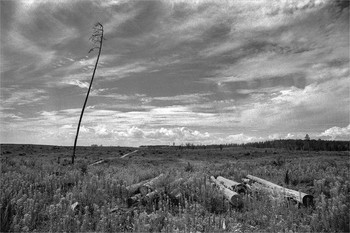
[[39, 187]]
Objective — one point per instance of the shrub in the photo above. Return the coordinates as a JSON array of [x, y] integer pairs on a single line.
[[189, 167]]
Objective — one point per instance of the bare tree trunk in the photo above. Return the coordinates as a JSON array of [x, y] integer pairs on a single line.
[[96, 37]]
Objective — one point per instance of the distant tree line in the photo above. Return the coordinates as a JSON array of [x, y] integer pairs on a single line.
[[288, 144], [298, 144]]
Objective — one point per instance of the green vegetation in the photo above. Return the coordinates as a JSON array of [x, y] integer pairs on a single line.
[[38, 190]]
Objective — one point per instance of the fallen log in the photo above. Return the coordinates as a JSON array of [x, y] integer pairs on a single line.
[[152, 184], [234, 198], [233, 185], [175, 188], [300, 197], [134, 199], [128, 154], [134, 188], [150, 196], [95, 163]]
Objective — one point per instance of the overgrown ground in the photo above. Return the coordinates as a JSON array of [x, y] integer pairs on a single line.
[[38, 187]]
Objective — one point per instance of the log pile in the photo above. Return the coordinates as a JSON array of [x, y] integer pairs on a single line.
[[226, 188], [233, 185], [297, 196], [146, 191], [177, 190]]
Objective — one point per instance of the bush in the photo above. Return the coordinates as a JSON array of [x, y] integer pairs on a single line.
[[189, 167]]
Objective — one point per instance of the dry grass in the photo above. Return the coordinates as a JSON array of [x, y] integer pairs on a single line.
[[37, 193]]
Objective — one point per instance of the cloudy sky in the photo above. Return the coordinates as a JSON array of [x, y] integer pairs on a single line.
[[175, 71]]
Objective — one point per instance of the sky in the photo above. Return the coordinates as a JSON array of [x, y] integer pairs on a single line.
[[178, 71]]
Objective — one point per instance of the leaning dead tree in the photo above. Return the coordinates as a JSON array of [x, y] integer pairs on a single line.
[[97, 40]]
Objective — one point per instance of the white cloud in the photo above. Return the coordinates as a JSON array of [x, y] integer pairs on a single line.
[[274, 136], [101, 130], [289, 136], [66, 127], [78, 83], [23, 97], [242, 138], [337, 133]]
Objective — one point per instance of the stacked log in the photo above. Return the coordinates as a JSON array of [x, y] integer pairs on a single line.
[[134, 188], [232, 185], [152, 184], [300, 197], [134, 199], [234, 198], [174, 189], [147, 191]]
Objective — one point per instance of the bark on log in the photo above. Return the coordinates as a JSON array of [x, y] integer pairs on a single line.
[[175, 187], [152, 184], [134, 199], [234, 198], [176, 193], [233, 185], [152, 195], [144, 199], [303, 198], [134, 188]]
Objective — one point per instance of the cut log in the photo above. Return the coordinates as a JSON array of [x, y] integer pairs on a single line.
[[245, 180], [134, 199], [233, 185], [234, 198], [152, 184], [134, 188], [95, 163], [129, 154], [300, 197], [152, 195], [175, 187], [176, 193]]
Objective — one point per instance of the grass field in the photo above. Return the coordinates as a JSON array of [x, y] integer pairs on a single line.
[[39, 186]]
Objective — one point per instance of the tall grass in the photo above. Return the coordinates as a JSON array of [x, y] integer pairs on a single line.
[[37, 195]]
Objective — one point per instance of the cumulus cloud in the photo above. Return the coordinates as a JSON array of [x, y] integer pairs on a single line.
[[337, 133], [176, 69], [182, 134], [242, 138], [101, 130]]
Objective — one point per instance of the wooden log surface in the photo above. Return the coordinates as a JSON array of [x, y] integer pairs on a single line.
[[298, 196], [173, 187], [152, 184], [134, 188], [129, 154], [234, 198], [232, 185], [134, 199], [95, 163], [152, 195]]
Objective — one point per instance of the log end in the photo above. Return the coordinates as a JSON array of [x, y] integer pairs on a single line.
[[308, 200], [237, 201], [240, 189]]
